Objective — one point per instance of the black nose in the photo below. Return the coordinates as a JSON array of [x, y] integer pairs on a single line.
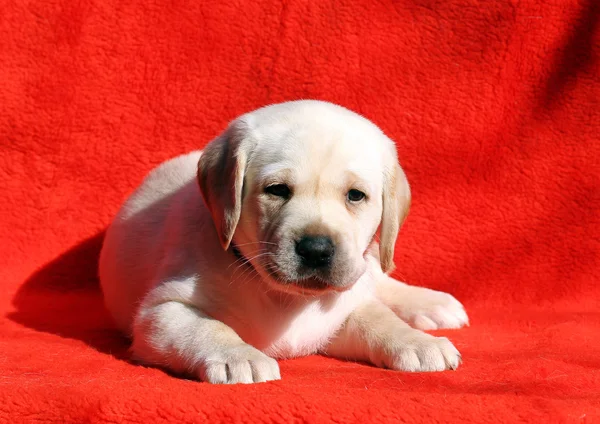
[[315, 251]]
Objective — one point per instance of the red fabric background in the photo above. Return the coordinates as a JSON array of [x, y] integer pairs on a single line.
[[495, 109]]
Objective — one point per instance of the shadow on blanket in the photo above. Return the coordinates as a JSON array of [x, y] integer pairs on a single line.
[[64, 298], [575, 57]]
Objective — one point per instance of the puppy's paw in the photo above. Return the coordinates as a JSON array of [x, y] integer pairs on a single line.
[[427, 309], [239, 364], [423, 352]]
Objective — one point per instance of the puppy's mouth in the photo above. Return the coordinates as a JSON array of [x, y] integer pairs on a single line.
[[311, 285], [305, 281]]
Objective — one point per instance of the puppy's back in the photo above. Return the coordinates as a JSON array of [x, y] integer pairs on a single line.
[[149, 221]]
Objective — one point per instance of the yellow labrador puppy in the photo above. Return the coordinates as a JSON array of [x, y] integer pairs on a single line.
[[262, 246]]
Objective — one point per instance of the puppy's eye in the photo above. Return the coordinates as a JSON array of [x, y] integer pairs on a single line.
[[355, 195], [279, 190]]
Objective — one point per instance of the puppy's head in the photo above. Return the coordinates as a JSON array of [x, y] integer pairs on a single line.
[[302, 188]]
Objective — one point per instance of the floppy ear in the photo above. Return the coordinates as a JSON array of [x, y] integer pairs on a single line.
[[396, 202], [220, 175]]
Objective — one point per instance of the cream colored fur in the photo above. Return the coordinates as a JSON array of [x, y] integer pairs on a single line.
[[173, 283]]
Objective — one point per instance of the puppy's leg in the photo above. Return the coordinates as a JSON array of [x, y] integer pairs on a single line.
[[422, 308], [183, 339], [374, 333]]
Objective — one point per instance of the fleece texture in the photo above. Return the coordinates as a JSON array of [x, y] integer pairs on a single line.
[[495, 109]]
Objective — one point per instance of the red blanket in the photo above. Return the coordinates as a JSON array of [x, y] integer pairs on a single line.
[[495, 107]]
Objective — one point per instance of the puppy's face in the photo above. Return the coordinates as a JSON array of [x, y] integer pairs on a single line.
[[315, 179], [312, 205]]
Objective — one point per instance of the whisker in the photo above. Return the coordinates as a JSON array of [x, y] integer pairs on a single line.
[[243, 258], [256, 242], [247, 260], [244, 277], [248, 272]]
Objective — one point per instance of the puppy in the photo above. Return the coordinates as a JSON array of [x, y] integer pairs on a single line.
[[262, 246]]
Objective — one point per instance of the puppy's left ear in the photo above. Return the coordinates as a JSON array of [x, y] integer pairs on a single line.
[[396, 203], [221, 170]]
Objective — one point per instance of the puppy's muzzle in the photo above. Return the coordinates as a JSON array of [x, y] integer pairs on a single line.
[[315, 252]]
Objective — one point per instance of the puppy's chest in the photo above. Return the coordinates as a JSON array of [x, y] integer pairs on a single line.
[[310, 330], [306, 334]]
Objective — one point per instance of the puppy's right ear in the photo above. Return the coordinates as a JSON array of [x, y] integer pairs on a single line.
[[396, 202], [221, 170]]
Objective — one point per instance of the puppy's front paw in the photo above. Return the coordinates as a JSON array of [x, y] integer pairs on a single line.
[[239, 364], [427, 309], [422, 352]]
